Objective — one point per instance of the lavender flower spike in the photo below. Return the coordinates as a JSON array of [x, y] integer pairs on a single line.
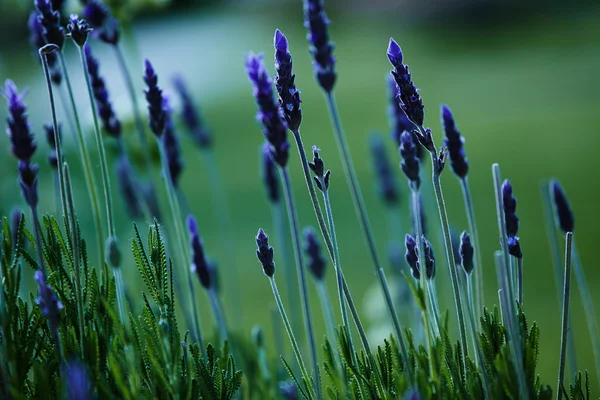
[[77, 382], [191, 117], [78, 29], [321, 47], [316, 262], [199, 264], [99, 17], [466, 252], [38, 40], [411, 101], [22, 142], [47, 300], [411, 256], [274, 128], [511, 220], [410, 162], [50, 20], [388, 189], [269, 172], [171, 145], [289, 96], [398, 120], [566, 220], [454, 141], [154, 97], [109, 119], [265, 253], [429, 259]]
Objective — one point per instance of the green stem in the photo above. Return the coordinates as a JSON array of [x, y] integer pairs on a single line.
[[85, 161], [75, 246], [361, 212], [120, 292], [469, 286], [290, 333], [520, 279], [327, 312], [565, 315], [510, 311], [295, 230], [277, 338], [478, 267], [219, 318]]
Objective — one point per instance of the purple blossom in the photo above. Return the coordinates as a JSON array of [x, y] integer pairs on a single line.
[[38, 40], [398, 120], [99, 17], [411, 256], [269, 173], [388, 189], [511, 220], [316, 262], [265, 253], [78, 29], [429, 258], [466, 252], [410, 162], [77, 383], [50, 20], [109, 119], [288, 390], [454, 141], [154, 97], [410, 100], [171, 145], [318, 167], [321, 47], [191, 116], [47, 300], [200, 265], [566, 219], [289, 96]]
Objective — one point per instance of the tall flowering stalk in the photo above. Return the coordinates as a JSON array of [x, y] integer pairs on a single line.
[[275, 131]]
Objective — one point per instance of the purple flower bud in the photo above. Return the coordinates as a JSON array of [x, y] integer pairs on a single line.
[[265, 253], [289, 96], [129, 187], [398, 119], [269, 173], [429, 258], [269, 112], [288, 390], [199, 264], [96, 13], [154, 97], [110, 32], [410, 100], [171, 145], [22, 142], [316, 262], [191, 116], [321, 47], [388, 189], [411, 256], [565, 217], [47, 300], [466, 252], [318, 167], [77, 383], [109, 119], [50, 20], [28, 182], [78, 29], [454, 141], [514, 247], [510, 209], [410, 162]]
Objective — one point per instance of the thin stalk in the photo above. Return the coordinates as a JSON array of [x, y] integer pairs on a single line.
[[478, 267], [120, 292], [436, 319], [282, 243], [295, 230], [184, 253], [588, 306], [556, 261], [218, 313], [327, 312], [87, 169], [290, 334], [75, 246], [44, 56], [520, 279], [565, 315], [361, 212], [422, 274], [506, 285], [277, 338], [471, 314]]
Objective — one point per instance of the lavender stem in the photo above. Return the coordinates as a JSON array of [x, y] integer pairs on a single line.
[[565, 315], [520, 279]]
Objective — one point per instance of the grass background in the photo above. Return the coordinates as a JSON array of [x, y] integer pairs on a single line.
[[525, 96]]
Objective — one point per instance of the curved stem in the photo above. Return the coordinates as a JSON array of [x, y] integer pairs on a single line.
[[479, 297], [295, 230], [290, 333], [361, 212], [565, 316], [85, 161]]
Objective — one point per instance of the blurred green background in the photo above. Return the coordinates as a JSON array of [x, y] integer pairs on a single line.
[[522, 81]]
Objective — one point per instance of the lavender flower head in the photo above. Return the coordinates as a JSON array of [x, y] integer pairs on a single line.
[[321, 47], [269, 174], [398, 120], [200, 265], [565, 217], [191, 117], [411, 256], [466, 252], [318, 167], [47, 300], [129, 187], [50, 20], [38, 40], [316, 262], [109, 119], [18, 129], [99, 17], [288, 390], [78, 29], [289, 96], [154, 97], [77, 383], [274, 128], [411, 101], [429, 258], [410, 162], [511, 220], [52, 156], [454, 141], [171, 145], [265, 253], [388, 189]]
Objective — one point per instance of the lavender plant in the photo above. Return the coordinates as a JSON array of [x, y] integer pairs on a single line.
[[87, 334]]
